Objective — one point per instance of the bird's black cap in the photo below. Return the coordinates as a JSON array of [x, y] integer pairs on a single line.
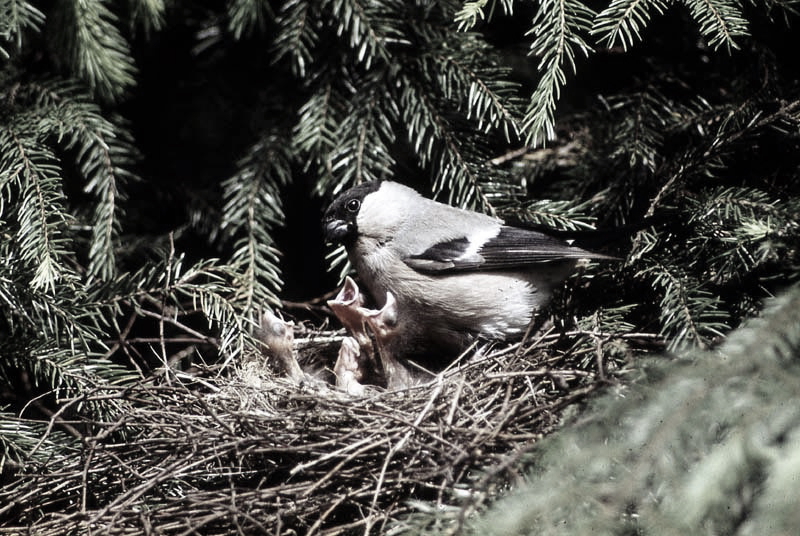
[[340, 218]]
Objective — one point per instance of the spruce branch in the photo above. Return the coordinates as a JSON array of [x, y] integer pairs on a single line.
[[67, 372], [734, 123], [70, 374], [465, 72], [690, 313], [727, 127], [252, 209], [64, 317], [777, 11], [96, 52], [554, 214], [557, 27], [437, 145], [644, 118], [370, 28], [473, 10], [172, 291], [739, 229], [208, 288], [350, 122], [361, 151], [721, 21], [105, 222], [30, 184], [248, 17], [315, 133], [18, 438], [17, 16], [297, 35], [707, 444], [104, 156], [623, 21], [150, 14]]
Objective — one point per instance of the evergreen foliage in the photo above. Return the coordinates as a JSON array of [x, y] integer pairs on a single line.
[[151, 153], [252, 208], [707, 444], [90, 47], [558, 28], [15, 19]]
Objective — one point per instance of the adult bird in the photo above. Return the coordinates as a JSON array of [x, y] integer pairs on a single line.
[[454, 274]]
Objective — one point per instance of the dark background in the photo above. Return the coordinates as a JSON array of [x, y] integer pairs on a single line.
[[196, 109]]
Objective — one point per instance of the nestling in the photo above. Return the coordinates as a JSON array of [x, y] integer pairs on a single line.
[[455, 274], [359, 360]]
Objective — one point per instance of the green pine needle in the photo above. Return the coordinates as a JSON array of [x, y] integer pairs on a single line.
[[558, 29]]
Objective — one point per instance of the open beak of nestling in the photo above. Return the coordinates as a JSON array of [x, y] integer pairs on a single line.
[[349, 296], [347, 308]]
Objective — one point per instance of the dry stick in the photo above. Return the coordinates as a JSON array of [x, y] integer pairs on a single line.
[[454, 402], [145, 340], [528, 331], [187, 329], [200, 523], [400, 444], [234, 511], [539, 372], [318, 523], [561, 401], [304, 466], [142, 488], [413, 425], [319, 482], [167, 283], [279, 521], [85, 477], [468, 403], [53, 418], [34, 491], [122, 463], [506, 414], [345, 528], [455, 366], [554, 405], [482, 484], [123, 339], [532, 389], [210, 411]]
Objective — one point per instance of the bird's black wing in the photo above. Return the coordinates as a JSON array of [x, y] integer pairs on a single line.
[[513, 247], [446, 256]]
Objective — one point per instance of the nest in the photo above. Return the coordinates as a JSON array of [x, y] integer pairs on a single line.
[[256, 453]]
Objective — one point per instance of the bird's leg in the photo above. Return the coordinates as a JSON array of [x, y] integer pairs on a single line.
[[277, 337], [356, 356], [383, 324]]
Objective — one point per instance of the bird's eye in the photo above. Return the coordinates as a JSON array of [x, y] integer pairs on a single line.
[[353, 205]]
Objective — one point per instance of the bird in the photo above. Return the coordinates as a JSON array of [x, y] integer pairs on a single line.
[[359, 360], [453, 274]]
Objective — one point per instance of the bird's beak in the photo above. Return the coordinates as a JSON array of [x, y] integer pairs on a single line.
[[336, 230]]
